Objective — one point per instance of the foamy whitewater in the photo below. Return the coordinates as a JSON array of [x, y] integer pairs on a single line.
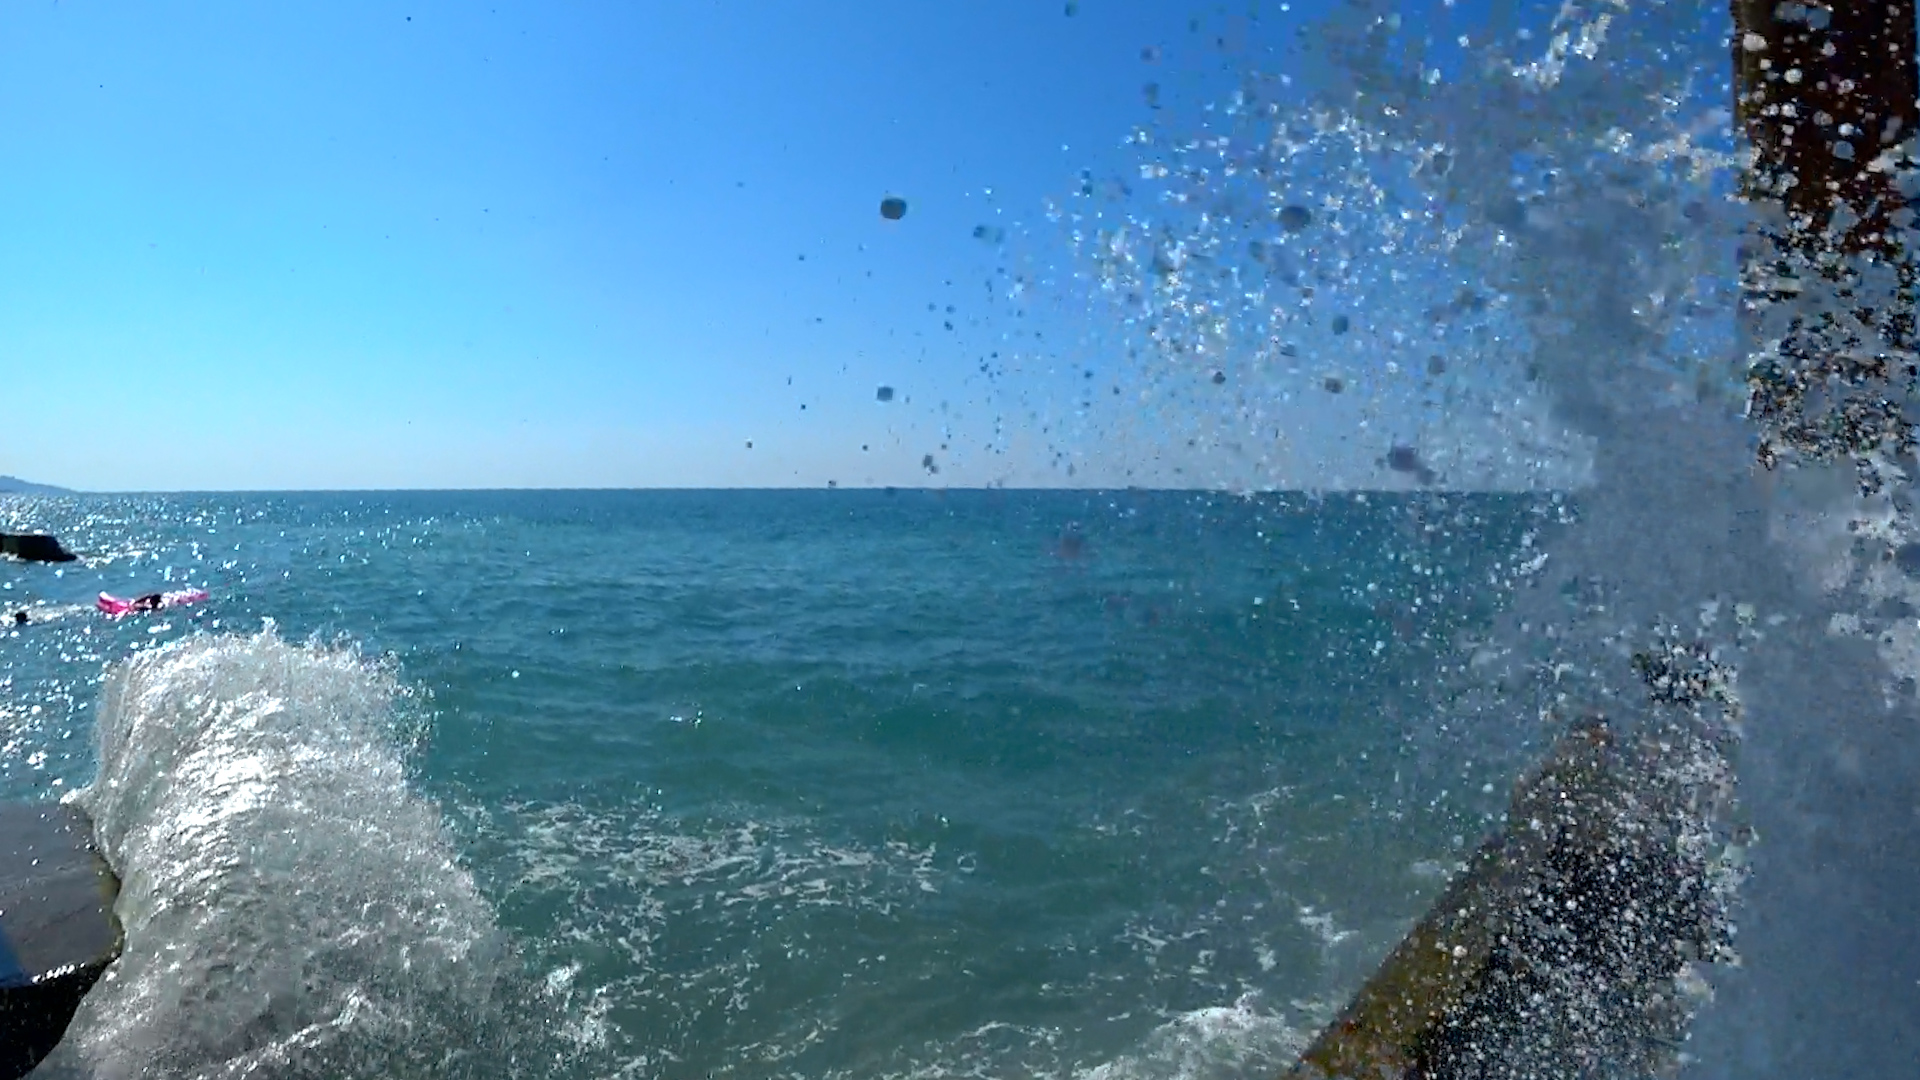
[[291, 906]]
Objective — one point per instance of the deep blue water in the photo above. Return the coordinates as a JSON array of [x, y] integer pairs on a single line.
[[749, 783]]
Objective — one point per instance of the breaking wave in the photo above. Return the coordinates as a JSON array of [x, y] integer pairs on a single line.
[[291, 904]]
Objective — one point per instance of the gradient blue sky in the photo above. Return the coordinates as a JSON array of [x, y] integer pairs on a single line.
[[365, 245]]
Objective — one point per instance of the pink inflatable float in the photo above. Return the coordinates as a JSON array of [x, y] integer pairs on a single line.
[[116, 607]]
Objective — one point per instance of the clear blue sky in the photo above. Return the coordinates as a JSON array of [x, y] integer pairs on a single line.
[[357, 245]]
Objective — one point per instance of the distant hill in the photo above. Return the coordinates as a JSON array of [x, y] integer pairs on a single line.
[[13, 485]]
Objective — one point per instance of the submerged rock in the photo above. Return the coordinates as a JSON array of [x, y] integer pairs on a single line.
[[34, 547]]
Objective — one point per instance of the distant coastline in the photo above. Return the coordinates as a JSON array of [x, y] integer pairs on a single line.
[[13, 485]]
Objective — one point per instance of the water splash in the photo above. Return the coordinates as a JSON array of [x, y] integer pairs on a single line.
[[292, 907]]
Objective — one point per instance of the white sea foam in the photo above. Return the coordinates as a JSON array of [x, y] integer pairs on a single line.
[[291, 905], [1228, 1041], [652, 926]]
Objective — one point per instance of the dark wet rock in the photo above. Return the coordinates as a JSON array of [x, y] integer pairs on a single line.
[[60, 932], [33, 547], [1559, 943], [1295, 218]]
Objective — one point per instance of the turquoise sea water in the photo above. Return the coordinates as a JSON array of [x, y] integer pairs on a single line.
[[750, 783]]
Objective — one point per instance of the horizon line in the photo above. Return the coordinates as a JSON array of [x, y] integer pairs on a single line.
[[823, 488]]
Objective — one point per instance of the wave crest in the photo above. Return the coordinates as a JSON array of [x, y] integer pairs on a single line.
[[292, 906]]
